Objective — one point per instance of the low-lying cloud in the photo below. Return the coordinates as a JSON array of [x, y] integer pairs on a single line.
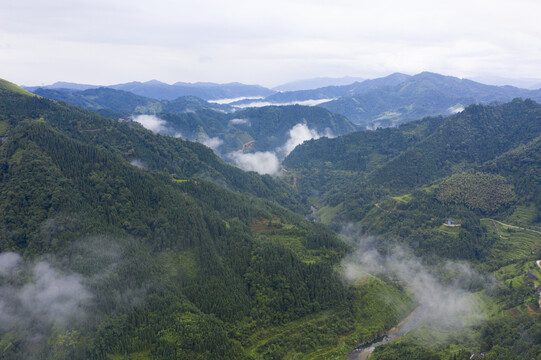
[[444, 303], [311, 102], [239, 122], [35, 296], [8, 262], [456, 109], [54, 293], [265, 163], [299, 134], [212, 142], [232, 100], [151, 122], [138, 163], [268, 162]]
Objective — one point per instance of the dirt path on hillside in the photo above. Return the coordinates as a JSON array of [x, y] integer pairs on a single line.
[[513, 226]]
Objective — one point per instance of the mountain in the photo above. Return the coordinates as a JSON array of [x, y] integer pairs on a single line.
[[355, 171], [63, 85], [316, 83], [422, 151], [460, 192], [158, 90], [195, 119], [103, 100], [523, 83], [332, 92], [424, 94], [117, 103], [265, 129], [207, 91], [117, 242], [176, 156]]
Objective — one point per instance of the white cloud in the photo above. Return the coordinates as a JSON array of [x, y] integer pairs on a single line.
[[229, 101], [138, 163], [443, 304], [52, 296], [213, 143], [8, 262], [311, 102], [44, 298], [268, 162], [456, 109], [151, 122], [239, 122], [262, 162], [299, 134]]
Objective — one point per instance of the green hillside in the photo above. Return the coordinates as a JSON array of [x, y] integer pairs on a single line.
[[178, 255], [120, 243], [425, 94], [462, 188], [11, 87], [118, 103], [195, 119], [268, 127], [418, 153], [134, 144]]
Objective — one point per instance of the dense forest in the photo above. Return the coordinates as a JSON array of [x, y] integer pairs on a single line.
[[461, 188], [120, 243], [178, 255], [192, 118]]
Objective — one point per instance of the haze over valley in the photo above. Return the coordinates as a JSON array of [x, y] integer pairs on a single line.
[[305, 180]]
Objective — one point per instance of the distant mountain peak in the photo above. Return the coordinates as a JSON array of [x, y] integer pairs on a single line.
[[318, 82], [155, 82]]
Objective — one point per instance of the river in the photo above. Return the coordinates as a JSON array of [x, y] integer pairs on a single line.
[[364, 351]]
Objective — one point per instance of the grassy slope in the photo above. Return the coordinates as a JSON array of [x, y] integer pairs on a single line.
[[9, 86], [317, 337], [510, 260]]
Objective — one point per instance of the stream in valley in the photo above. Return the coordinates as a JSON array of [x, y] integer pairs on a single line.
[[364, 351]]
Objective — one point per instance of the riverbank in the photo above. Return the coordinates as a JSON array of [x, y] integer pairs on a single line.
[[364, 351]]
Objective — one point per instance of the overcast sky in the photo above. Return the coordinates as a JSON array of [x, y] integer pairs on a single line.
[[268, 43]]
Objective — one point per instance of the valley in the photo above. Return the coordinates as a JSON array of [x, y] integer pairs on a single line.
[[163, 249]]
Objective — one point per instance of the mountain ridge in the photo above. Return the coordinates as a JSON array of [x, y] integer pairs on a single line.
[[163, 250], [424, 94]]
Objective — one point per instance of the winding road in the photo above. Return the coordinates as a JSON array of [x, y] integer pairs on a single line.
[[512, 226]]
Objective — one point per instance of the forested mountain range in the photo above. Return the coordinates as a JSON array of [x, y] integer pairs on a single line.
[[380, 102], [465, 187], [161, 91], [265, 128], [195, 119], [330, 92], [158, 249], [118, 103], [422, 95], [398, 98], [419, 153], [316, 83], [148, 246]]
